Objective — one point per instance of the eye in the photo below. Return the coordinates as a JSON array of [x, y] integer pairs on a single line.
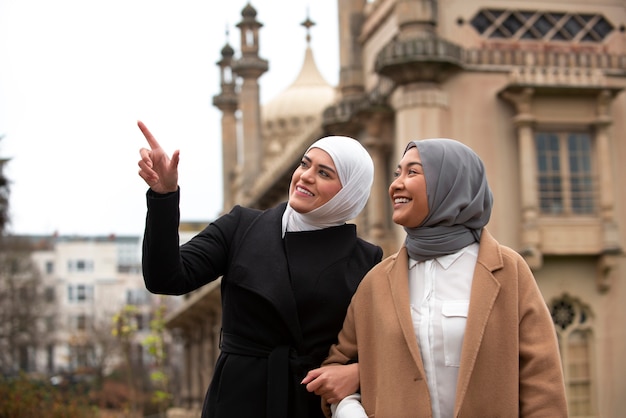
[[323, 173], [413, 172], [303, 164], [396, 174]]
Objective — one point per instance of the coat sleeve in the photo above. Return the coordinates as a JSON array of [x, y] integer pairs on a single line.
[[345, 350], [541, 386], [172, 269]]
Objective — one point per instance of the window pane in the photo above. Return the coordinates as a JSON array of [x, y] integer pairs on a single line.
[[579, 373], [579, 146], [566, 184], [80, 292], [549, 173]]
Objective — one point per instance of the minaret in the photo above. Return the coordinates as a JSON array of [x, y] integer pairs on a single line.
[[226, 101], [250, 67], [351, 83]]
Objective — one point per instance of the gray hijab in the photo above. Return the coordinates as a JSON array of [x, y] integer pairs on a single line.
[[459, 199]]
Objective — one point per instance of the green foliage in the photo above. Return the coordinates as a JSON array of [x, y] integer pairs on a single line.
[[155, 345], [24, 397], [124, 327]]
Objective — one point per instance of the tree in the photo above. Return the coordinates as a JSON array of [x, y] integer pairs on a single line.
[[125, 330], [22, 299], [22, 306], [156, 345], [4, 195]]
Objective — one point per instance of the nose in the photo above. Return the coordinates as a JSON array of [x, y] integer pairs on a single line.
[[396, 183], [307, 175]]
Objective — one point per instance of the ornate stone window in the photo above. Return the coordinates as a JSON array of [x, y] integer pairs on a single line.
[[566, 180], [541, 25], [573, 323]]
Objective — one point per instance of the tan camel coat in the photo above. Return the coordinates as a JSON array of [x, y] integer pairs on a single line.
[[510, 364]]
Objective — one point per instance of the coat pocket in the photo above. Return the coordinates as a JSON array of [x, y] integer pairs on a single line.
[[454, 318]]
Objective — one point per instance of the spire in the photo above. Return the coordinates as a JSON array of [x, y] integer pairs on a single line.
[[227, 50], [308, 23]]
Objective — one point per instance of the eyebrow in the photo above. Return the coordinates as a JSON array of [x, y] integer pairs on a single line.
[[411, 163], [321, 165]]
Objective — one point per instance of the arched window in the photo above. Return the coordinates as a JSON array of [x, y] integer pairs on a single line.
[[573, 323]]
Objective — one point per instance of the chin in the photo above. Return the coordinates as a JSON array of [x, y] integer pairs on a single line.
[[298, 208]]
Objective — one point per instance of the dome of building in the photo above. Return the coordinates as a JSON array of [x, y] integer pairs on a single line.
[[227, 51], [306, 97], [248, 11]]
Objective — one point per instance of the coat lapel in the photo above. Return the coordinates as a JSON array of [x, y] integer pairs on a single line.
[[398, 276], [485, 289], [268, 276]]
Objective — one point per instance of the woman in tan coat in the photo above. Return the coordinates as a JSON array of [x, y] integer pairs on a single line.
[[453, 325]]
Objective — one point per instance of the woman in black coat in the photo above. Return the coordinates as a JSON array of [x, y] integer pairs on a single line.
[[288, 274]]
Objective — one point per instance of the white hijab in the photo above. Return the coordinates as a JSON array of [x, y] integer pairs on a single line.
[[355, 169]]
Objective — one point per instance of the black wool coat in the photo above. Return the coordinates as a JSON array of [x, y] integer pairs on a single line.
[[283, 299]]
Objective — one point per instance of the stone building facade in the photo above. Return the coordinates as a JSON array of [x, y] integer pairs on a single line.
[[536, 88]]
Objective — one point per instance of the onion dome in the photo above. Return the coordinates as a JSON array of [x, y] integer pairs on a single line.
[[228, 51], [248, 11], [306, 97]]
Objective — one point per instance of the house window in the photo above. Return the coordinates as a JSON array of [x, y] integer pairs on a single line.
[[573, 325], [565, 174], [80, 265], [79, 292]]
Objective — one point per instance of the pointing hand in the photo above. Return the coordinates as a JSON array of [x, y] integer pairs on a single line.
[[155, 167]]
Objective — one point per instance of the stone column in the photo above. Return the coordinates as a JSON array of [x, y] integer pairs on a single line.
[[185, 392], [378, 140], [350, 71], [524, 121], [607, 262], [605, 183], [420, 113]]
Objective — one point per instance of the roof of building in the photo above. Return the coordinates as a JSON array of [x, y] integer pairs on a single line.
[[307, 96]]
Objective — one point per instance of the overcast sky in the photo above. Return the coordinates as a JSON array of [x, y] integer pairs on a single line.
[[76, 75]]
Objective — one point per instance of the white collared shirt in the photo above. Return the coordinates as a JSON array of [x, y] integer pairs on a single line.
[[439, 291]]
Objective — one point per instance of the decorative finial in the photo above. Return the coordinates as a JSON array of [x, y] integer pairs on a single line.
[[308, 23]]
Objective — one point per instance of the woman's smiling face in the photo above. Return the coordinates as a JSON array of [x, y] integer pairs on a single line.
[[408, 191], [314, 182]]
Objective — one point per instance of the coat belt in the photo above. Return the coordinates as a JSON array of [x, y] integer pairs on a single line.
[[285, 368]]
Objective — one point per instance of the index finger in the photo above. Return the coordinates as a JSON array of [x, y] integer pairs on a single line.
[[151, 139], [311, 376]]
